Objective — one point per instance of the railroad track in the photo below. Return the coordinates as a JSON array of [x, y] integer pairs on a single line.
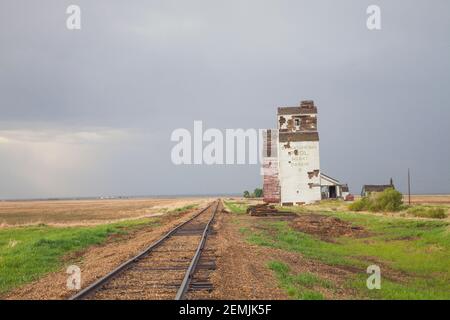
[[177, 266]]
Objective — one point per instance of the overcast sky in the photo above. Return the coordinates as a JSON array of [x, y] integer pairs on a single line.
[[90, 112]]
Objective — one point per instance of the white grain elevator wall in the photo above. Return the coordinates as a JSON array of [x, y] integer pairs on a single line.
[[298, 152]]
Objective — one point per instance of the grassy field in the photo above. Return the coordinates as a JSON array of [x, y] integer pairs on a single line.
[[238, 207], [299, 286], [413, 254], [28, 252]]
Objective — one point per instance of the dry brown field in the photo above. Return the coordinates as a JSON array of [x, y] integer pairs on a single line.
[[428, 199], [88, 212]]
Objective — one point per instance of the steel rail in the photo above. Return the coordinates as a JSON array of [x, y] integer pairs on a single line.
[[100, 282], [191, 270]]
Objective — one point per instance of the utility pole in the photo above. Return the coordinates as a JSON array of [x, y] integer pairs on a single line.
[[409, 188]]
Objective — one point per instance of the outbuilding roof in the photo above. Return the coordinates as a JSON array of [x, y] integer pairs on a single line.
[[330, 179]]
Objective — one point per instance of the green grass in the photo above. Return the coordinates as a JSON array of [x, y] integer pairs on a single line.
[[298, 286], [387, 201], [419, 249], [185, 208], [27, 253], [427, 212], [236, 207], [414, 289]]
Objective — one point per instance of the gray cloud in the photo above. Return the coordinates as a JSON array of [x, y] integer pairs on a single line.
[[147, 67]]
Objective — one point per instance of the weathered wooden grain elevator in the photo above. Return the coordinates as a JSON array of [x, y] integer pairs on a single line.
[[291, 161]]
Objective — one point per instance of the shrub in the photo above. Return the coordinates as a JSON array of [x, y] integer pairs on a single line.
[[388, 200], [360, 205], [437, 213]]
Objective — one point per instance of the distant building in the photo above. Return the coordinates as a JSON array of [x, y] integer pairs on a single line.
[[345, 191], [331, 188], [291, 162], [373, 188]]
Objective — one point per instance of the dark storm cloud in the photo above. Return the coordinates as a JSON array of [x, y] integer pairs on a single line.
[[102, 102]]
